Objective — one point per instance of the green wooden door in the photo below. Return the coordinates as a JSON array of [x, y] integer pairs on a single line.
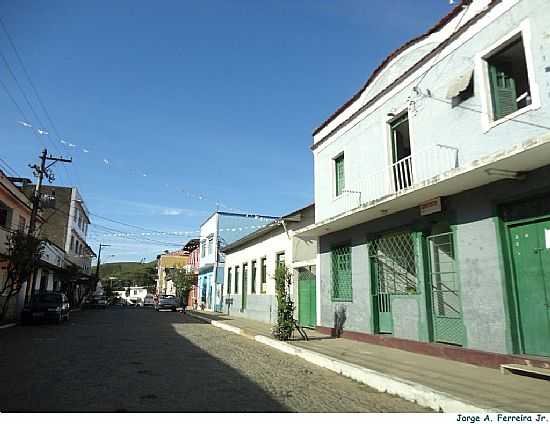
[[307, 300], [531, 260]]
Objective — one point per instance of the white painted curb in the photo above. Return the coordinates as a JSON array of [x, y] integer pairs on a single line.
[[408, 390], [219, 324]]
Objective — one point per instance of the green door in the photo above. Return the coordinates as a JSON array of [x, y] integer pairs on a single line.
[[446, 305], [531, 260], [245, 287], [393, 265], [307, 300]]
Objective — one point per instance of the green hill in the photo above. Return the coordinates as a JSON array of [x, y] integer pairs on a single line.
[[122, 273]]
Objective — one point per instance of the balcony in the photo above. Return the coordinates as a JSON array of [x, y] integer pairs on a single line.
[[435, 172], [396, 179]]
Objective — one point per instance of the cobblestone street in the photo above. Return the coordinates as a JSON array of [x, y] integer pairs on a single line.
[[141, 360]]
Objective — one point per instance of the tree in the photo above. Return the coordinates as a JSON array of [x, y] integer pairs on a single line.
[[183, 282], [23, 258], [285, 305]]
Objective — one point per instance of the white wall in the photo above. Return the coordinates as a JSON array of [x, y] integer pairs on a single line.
[[365, 141], [209, 227], [266, 247]]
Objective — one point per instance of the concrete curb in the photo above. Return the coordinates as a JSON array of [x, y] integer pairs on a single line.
[[408, 390], [11, 324]]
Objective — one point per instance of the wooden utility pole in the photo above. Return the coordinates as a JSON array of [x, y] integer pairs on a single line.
[[41, 171], [99, 259]]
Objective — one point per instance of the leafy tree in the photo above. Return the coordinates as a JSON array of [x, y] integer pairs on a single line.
[[183, 282], [285, 305], [23, 256]]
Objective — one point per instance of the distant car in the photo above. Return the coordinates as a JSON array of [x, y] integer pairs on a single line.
[[136, 302], [149, 300], [95, 301], [47, 306], [166, 302]]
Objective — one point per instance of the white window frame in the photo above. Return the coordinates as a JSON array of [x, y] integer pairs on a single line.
[[482, 69], [333, 175]]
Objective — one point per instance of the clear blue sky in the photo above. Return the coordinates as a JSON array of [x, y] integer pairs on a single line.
[[218, 98]]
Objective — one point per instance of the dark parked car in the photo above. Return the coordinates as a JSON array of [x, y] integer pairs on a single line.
[[95, 301], [47, 306], [166, 302]]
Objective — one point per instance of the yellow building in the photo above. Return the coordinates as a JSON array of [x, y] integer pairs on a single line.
[[166, 262]]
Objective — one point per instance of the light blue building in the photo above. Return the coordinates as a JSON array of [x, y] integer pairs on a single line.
[[220, 229]]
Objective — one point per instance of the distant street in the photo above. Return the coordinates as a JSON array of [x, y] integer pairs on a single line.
[[140, 360]]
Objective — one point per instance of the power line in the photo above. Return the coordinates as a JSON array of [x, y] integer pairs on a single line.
[[519, 121], [24, 94], [7, 165]]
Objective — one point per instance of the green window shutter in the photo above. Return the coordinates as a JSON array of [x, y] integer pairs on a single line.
[[341, 274], [503, 89], [339, 173]]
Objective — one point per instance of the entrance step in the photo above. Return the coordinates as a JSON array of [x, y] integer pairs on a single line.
[[526, 370]]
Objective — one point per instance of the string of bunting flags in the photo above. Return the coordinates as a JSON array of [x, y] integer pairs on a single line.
[[180, 233], [111, 164]]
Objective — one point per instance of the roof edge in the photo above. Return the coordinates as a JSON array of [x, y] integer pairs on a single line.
[[444, 21]]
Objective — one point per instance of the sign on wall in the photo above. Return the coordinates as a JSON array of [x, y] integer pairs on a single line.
[[431, 206]]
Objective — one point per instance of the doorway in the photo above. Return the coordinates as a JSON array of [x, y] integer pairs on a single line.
[[530, 250], [307, 299]]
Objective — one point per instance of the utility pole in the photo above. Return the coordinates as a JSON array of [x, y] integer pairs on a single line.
[[99, 260], [41, 171]]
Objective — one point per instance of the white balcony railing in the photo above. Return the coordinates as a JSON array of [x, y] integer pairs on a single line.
[[396, 178]]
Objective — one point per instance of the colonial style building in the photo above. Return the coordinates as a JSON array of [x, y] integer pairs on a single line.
[[192, 267], [15, 213], [432, 191], [220, 229], [250, 265], [167, 262]]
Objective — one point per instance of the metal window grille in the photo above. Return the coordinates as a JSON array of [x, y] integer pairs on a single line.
[[445, 289], [395, 264], [341, 274]]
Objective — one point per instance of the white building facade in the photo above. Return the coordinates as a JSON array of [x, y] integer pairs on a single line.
[[250, 264], [432, 186]]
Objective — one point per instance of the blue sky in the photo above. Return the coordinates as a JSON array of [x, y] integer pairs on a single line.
[[190, 102]]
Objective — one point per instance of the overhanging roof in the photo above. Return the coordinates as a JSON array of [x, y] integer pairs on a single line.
[[523, 157], [295, 216]]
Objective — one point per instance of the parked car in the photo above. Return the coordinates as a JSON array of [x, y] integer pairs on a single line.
[[166, 302], [47, 306], [95, 301], [136, 302], [149, 300]]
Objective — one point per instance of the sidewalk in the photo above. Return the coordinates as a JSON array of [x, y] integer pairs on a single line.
[[434, 382]]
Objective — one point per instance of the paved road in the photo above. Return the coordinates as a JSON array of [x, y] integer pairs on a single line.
[[141, 360]]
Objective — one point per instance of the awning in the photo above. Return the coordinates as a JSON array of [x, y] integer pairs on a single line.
[[459, 84]]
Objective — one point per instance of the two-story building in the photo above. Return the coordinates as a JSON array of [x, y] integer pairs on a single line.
[[432, 191], [219, 230], [250, 265], [67, 224], [166, 263], [15, 213], [192, 267]]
